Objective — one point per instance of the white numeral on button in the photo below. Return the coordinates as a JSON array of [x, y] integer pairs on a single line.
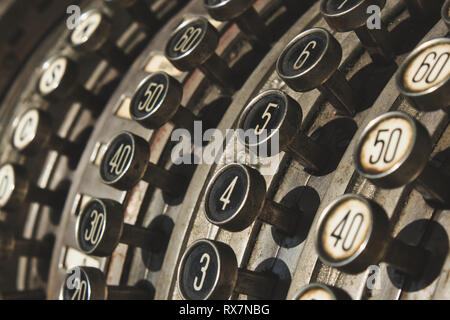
[[225, 198], [266, 115], [120, 159], [386, 145], [303, 57], [346, 228], [97, 220], [199, 286], [80, 289], [152, 93], [188, 40], [429, 68]]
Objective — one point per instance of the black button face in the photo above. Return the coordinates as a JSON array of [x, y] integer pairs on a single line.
[[91, 226], [150, 96], [76, 285], [303, 54], [199, 272], [227, 194], [339, 6], [117, 158], [185, 39], [265, 115]]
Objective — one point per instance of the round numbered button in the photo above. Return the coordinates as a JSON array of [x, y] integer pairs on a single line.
[[352, 15], [394, 150], [126, 162], [33, 134], [157, 101], [271, 122], [236, 197], [310, 61], [192, 45], [92, 34], [87, 283], [353, 233], [319, 291], [424, 77], [16, 189], [100, 228], [59, 81], [245, 16], [209, 271]]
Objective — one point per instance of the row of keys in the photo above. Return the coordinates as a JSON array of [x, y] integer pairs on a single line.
[[88, 283], [157, 100], [393, 151], [352, 232], [33, 132], [208, 269], [310, 61], [304, 65]]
